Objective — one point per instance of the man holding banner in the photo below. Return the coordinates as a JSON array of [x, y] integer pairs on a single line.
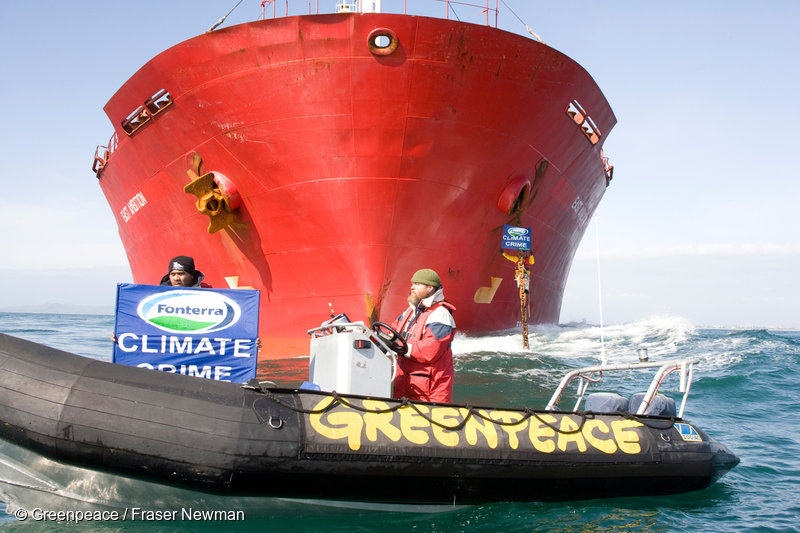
[[519, 239], [181, 273], [174, 327], [523, 275]]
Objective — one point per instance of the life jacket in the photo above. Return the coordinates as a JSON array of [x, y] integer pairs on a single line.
[[427, 374], [417, 329]]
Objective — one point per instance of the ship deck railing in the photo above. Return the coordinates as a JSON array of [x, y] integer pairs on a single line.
[[487, 11]]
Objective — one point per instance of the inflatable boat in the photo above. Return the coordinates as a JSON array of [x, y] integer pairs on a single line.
[[81, 433]]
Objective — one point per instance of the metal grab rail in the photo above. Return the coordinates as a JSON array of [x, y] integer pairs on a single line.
[[319, 331], [686, 367]]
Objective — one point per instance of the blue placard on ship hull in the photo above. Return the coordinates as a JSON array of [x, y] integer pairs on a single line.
[[515, 238]]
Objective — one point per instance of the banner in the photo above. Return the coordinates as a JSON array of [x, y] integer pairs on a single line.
[[515, 238], [207, 333]]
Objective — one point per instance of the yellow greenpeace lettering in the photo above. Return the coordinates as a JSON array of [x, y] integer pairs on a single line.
[[410, 419], [541, 431], [606, 445], [628, 441], [569, 433], [442, 416], [351, 424], [475, 424], [408, 426], [507, 417], [379, 421]]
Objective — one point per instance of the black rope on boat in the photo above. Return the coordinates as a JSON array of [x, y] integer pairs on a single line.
[[559, 430], [528, 413], [460, 425], [338, 399], [471, 412], [404, 402], [267, 394], [631, 416]]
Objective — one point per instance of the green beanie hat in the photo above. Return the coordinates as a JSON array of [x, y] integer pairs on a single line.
[[427, 276]]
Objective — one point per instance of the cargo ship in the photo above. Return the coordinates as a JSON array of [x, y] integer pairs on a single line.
[[324, 158]]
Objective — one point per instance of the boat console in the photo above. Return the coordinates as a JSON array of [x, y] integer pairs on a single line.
[[350, 358]]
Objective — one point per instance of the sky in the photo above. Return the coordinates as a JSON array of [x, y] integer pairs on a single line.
[[701, 220]]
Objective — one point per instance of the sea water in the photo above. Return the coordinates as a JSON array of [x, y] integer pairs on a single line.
[[745, 394]]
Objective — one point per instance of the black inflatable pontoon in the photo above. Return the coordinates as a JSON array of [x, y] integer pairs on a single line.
[[62, 415]]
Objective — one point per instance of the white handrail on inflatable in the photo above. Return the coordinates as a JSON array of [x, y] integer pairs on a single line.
[[686, 367]]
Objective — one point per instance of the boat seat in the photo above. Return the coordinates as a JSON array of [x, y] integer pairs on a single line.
[[660, 406], [605, 402]]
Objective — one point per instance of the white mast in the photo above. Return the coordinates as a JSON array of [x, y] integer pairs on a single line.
[[604, 359]]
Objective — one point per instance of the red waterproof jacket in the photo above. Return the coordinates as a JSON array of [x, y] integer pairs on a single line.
[[426, 372]]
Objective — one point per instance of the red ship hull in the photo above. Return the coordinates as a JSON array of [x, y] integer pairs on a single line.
[[357, 167]]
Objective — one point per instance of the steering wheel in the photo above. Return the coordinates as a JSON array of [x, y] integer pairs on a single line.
[[389, 335]]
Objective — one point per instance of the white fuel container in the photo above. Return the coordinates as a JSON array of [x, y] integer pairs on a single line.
[[347, 357]]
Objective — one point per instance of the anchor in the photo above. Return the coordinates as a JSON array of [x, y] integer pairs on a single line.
[[217, 197]]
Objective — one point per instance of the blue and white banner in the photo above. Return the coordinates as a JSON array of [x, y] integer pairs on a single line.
[[208, 333], [515, 238]]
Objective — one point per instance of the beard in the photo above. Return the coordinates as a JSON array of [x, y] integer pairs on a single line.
[[413, 299]]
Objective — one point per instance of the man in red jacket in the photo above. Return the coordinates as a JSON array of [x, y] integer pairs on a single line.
[[426, 371]]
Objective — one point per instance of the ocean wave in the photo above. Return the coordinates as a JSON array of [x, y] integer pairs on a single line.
[[660, 335]]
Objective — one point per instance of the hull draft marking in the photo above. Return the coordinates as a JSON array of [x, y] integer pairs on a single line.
[[485, 295], [233, 283]]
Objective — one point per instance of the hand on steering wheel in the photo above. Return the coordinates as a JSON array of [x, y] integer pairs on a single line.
[[391, 337]]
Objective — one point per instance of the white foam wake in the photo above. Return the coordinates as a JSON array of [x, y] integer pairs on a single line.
[[661, 335]]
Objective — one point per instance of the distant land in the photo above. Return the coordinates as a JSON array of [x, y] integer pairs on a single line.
[[61, 309], [71, 309]]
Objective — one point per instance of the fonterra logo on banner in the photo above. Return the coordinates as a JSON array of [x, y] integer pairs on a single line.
[[189, 311], [516, 238], [209, 333]]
